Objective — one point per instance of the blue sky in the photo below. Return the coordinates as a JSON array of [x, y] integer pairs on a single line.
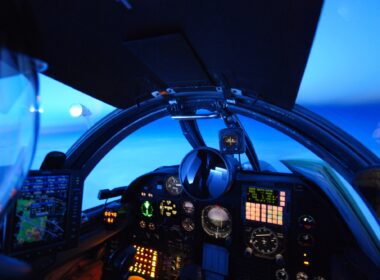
[[344, 63]]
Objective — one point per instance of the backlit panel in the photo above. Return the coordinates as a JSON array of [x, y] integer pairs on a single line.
[[262, 212], [145, 262]]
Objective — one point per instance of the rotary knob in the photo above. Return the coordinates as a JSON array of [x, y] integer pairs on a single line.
[[281, 274], [248, 251]]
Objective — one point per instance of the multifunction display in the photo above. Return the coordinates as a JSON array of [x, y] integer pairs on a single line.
[[265, 205], [46, 215], [40, 213]]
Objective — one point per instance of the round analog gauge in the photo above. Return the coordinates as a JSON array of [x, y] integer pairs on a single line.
[[168, 208], [264, 241], [281, 274], [151, 226], [302, 276], [307, 222], [142, 224], [188, 224], [173, 185], [188, 207], [305, 239], [216, 221]]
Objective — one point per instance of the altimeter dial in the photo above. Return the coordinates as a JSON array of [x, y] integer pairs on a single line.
[[264, 241]]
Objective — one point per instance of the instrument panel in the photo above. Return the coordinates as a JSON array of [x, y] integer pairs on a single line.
[[164, 204], [254, 226]]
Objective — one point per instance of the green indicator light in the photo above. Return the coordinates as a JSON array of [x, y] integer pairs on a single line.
[[147, 209]]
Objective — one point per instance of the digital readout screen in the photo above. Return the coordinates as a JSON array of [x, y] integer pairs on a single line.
[[265, 205], [258, 195]]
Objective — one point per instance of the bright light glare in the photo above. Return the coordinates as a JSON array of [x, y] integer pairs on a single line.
[[32, 109], [76, 110]]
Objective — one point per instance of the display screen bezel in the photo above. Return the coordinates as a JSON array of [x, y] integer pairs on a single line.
[[39, 246]]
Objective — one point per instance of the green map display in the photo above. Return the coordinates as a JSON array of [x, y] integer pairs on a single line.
[[30, 229]]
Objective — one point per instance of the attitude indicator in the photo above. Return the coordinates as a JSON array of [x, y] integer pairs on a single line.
[[147, 209]]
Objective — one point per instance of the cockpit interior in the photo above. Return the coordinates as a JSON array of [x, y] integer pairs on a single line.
[[221, 212]]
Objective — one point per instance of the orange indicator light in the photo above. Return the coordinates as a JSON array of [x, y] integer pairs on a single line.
[[145, 262]]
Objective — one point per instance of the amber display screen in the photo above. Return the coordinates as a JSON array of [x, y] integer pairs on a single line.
[[265, 205]]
